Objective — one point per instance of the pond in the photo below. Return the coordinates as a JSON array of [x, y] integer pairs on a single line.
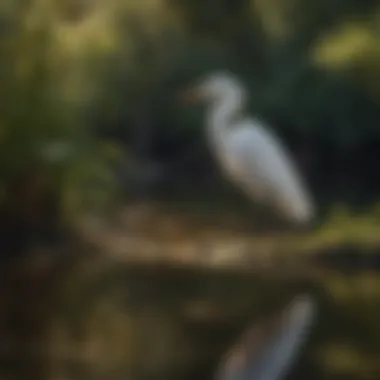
[[153, 322], [102, 317]]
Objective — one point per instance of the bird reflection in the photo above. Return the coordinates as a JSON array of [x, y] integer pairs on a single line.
[[267, 350]]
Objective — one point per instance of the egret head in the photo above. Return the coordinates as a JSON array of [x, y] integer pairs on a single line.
[[215, 88]]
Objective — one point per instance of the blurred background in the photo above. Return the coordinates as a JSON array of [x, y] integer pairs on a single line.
[[124, 253]]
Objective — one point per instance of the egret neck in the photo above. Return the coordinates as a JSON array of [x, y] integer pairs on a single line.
[[222, 115]]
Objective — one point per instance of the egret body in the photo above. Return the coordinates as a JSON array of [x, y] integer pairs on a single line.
[[249, 152]]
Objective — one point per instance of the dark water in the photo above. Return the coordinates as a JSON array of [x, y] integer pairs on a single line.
[[116, 321], [92, 318]]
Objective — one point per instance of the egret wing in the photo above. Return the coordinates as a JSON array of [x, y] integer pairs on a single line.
[[262, 165]]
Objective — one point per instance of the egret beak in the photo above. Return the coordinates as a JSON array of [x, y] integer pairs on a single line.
[[191, 96]]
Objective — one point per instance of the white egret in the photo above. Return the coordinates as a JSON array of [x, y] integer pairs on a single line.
[[268, 349], [249, 152]]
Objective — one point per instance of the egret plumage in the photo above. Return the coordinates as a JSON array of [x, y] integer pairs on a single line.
[[248, 151]]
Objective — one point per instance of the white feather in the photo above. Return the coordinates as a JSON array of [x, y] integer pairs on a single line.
[[254, 157], [249, 152]]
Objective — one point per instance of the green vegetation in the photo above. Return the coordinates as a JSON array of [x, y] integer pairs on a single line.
[[72, 67], [67, 68]]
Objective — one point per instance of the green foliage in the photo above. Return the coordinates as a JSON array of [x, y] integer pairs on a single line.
[[352, 48], [41, 130], [120, 61], [284, 81]]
